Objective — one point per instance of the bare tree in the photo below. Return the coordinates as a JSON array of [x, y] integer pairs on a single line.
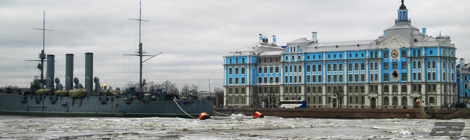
[[185, 89], [194, 89]]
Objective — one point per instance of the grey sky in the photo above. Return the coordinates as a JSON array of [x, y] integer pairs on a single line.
[[194, 35]]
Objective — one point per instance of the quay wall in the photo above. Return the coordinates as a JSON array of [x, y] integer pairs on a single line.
[[346, 113]]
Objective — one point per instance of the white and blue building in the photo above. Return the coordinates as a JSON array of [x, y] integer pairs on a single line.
[[403, 68]]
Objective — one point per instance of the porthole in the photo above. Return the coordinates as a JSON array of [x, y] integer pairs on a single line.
[[356, 55], [430, 52], [350, 55], [362, 55], [340, 55], [334, 56], [328, 56]]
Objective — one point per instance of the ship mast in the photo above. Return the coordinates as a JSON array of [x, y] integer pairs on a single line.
[[140, 53], [42, 56]]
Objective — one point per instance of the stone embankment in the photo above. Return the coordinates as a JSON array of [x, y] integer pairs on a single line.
[[348, 113]]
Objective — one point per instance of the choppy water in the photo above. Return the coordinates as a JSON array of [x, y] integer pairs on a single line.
[[232, 127]]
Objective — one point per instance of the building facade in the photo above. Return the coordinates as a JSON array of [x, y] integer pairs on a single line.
[[403, 68], [463, 80]]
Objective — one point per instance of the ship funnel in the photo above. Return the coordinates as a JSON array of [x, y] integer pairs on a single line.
[[89, 72], [50, 72], [68, 71]]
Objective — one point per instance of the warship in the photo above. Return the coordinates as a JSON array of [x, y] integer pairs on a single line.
[[48, 97]]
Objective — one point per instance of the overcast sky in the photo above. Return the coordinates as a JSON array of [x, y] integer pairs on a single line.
[[195, 35]]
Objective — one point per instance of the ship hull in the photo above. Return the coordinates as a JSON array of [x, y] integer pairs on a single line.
[[99, 106]]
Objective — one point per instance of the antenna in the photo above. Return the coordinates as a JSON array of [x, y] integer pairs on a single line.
[[42, 56], [141, 53]]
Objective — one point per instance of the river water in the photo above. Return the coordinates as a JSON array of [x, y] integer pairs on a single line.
[[236, 126]]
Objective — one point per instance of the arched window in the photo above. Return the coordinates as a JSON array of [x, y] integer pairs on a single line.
[[395, 101], [386, 101], [385, 88], [308, 89], [404, 101], [314, 89], [329, 89], [320, 89], [363, 89], [287, 98], [350, 89], [395, 88], [340, 88], [356, 89], [299, 98]]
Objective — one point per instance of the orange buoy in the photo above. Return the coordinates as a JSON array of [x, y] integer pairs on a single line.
[[203, 116], [258, 115]]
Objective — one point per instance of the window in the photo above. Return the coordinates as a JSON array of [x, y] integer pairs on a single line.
[[376, 66], [236, 70], [319, 67], [265, 69], [433, 76], [243, 80], [356, 77], [404, 89], [341, 78], [371, 77], [286, 68], [404, 76], [363, 66], [329, 78], [243, 70], [230, 80], [419, 64], [290, 68], [319, 78], [290, 79], [370, 55], [395, 65], [429, 76], [328, 67], [314, 67], [300, 78], [229, 70], [277, 69], [419, 53], [386, 77], [403, 53], [356, 66], [236, 61], [385, 54], [404, 65], [265, 80], [433, 64], [277, 79], [335, 68], [429, 64], [386, 88], [308, 68], [295, 78], [350, 67], [287, 58], [271, 80], [414, 64], [385, 65], [444, 64], [431, 100], [300, 68], [363, 77], [371, 66], [308, 78], [314, 77], [350, 78], [260, 80], [419, 76], [271, 69], [340, 67]]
